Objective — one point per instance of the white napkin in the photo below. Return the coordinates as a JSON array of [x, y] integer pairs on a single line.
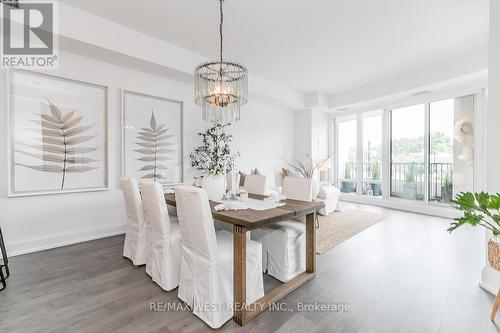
[[231, 205]]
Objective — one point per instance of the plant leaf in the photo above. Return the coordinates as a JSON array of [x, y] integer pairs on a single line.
[[79, 139], [147, 167], [145, 151], [48, 132], [68, 116], [44, 148], [49, 118], [77, 130], [80, 150], [147, 159], [146, 134], [80, 160], [72, 123], [52, 141], [149, 175], [152, 121], [43, 168], [43, 157], [48, 124], [55, 111], [145, 144], [143, 138], [163, 137], [77, 169]]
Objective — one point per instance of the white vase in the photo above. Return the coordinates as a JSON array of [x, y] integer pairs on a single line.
[[315, 188], [214, 185]]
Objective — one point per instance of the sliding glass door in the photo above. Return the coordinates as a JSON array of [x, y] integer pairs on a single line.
[[347, 155], [372, 154], [432, 150], [407, 152], [451, 158], [422, 152]]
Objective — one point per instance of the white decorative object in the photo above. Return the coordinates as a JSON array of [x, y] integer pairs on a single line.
[[207, 261], [243, 195], [214, 185], [152, 138], [467, 155], [57, 131], [464, 130], [315, 187], [134, 246]]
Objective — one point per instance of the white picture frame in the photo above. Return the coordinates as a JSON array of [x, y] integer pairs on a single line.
[[31, 168], [136, 114]]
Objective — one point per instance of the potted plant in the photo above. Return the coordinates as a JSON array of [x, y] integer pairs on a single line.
[[447, 188], [214, 159], [410, 186], [376, 190], [481, 209]]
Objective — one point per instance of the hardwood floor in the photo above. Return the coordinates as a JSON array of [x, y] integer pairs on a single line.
[[405, 274]]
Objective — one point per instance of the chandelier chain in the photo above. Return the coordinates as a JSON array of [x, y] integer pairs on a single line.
[[220, 29]]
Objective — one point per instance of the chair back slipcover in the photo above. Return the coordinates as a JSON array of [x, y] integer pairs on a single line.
[[256, 184], [298, 188], [134, 246], [164, 243]]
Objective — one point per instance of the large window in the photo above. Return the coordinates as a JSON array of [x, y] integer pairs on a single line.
[[451, 148], [407, 152], [422, 152], [372, 154], [347, 151]]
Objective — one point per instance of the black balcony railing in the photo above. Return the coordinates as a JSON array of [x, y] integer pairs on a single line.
[[407, 179]]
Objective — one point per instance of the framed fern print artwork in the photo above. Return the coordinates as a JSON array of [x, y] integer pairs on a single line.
[[152, 138], [57, 133]]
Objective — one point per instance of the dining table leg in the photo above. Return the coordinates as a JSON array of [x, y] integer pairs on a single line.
[[239, 273], [310, 243]]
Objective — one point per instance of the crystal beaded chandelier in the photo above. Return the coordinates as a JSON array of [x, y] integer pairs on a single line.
[[221, 87]]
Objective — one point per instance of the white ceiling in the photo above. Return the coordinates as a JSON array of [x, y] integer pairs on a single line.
[[313, 45]]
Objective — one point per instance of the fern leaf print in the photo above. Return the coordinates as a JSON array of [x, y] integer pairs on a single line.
[[60, 149], [153, 146]]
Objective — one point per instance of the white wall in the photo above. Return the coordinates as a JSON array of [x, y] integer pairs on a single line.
[[39, 222], [490, 279]]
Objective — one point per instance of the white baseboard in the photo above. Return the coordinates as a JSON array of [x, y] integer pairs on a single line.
[[404, 205], [58, 240]]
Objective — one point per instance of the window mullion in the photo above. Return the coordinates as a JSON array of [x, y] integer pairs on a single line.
[[426, 152], [359, 155]]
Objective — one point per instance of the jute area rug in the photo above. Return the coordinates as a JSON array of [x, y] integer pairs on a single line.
[[340, 226]]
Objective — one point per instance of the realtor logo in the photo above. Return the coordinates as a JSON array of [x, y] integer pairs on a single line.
[[29, 34]]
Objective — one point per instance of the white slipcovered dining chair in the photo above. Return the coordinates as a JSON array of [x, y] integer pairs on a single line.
[[283, 243], [163, 237], [256, 184], [134, 247], [206, 282]]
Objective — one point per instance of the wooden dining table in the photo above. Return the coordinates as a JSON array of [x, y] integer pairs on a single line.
[[245, 220]]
